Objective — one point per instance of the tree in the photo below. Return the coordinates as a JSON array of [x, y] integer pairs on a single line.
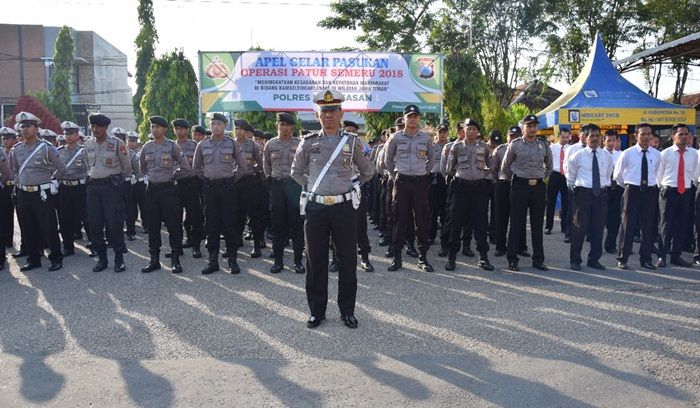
[[31, 104], [61, 103], [265, 121], [145, 52], [464, 87], [170, 91]]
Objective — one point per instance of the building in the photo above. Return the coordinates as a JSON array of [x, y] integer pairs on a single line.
[[100, 75], [535, 95], [692, 101]]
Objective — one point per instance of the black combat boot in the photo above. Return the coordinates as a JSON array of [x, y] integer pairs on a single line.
[[102, 262], [212, 265], [154, 264], [423, 262], [175, 264]]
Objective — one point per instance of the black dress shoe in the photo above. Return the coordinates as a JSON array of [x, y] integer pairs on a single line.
[[648, 265], [485, 265], [680, 262], [119, 265], [443, 252], [233, 265], [175, 266], [424, 265], [276, 268], [299, 269], [696, 262], [524, 254], [56, 265], [548, 232], [499, 252], [29, 266], [411, 251], [389, 254], [395, 266], [468, 252], [567, 239], [451, 265], [314, 322], [366, 266], [540, 266], [622, 265], [210, 268], [152, 266], [596, 265], [92, 253], [255, 253], [350, 321], [513, 266], [196, 252], [100, 266], [333, 267], [19, 254], [661, 263], [168, 254], [575, 266]]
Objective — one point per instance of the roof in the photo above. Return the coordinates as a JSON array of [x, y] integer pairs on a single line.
[[688, 46], [691, 100], [535, 95]]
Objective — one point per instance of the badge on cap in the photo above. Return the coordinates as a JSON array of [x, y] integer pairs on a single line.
[[328, 97]]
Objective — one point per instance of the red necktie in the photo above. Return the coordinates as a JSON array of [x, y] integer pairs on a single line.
[[681, 173], [561, 159]]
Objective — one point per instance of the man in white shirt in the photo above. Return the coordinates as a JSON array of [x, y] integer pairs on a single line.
[[636, 170], [582, 134], [677, 169], [588, 172], [612, 224], [557, 182]]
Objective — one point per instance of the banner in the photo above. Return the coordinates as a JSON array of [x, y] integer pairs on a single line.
[[287, 81], [627, 116]]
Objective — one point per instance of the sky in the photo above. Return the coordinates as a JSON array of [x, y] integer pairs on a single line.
[[221, 25]]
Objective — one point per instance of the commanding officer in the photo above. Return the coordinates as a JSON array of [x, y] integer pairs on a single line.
[[612, 224], [109, 165], [138, 187], [437, 189], [219, 161], [6, 175], [636, 170], [188, 189], [72, 211], [249, 187], [557, 182], [323, 166], [528, 161], [409, 158], [587, 171], [675, 175], [278, 156], [33, 163], [7, 206], [471, 188], [160, 158]]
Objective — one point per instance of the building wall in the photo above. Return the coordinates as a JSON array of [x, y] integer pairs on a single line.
[[33, 66]]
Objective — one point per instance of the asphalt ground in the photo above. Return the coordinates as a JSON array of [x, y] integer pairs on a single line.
[[468, 338]]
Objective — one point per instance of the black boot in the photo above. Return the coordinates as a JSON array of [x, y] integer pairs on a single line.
[[102, 262], [119, 265], [175, 264], [196, 252], [154, 264], [213, 264], [298, 264], [256, 251], [423, 263], [396, 264], [365, 263], [233, 265], [451, 261], [484, 262], [411, 250]]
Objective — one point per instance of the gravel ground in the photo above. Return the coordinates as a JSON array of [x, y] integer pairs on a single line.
[[464, 338]]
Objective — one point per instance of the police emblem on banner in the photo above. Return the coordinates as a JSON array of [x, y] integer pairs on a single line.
[[426, 67], [217, 69]]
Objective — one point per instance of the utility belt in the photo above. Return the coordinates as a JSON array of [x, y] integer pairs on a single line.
[[466, 182], [280, 180], [502, 181], [330, 199], [161, 186], [34, 189], [402, 178], [529, 181], [73, 183], [192, 180], [220, 182], [10, 183]]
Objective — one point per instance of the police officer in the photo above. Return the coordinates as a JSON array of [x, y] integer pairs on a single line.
[[33, 164], [557, 182], [138, 187], [329, 211], [528, 161], [249, 188], [278, 155], [49, 136], [72, 211], [6, 175], [7, 206], [495, 140], [109, 165], [198, 134], [437, 189], [471, 188], [409, 158], [447, 224], [219, 162], [188, 189], [159, 160], [127, 187]]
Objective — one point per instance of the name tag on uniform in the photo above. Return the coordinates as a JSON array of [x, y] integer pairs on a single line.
[[532, 182]]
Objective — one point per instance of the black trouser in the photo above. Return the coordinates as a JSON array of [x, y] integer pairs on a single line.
[[612, 223], [409, 204], [639, 208], [502, 200], [390, 217], [470, 200], [37, 222], [162, 207], [492, 214], [557, 186], [285, 218], [128, 191], [437, 198], [188, 200], [383, 214], [674, 210], [323, 224], [524, 196], [374, 206], [249, 192], [588, 218], [72, 212], [105, 200], [136, 207], [7, 216], [220, 204], [361, 217]]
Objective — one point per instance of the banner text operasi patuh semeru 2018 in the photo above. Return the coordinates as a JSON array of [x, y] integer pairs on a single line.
[[287, 81]]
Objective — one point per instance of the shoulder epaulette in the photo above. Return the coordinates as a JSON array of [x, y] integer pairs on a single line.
[[310, 135]]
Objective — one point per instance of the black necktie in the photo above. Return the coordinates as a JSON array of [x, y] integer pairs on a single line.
[[645, 171], [596, 175]]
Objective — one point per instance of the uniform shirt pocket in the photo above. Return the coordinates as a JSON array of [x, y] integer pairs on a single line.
[[227, 155], [402, 151], [165, 160], [208, 155]]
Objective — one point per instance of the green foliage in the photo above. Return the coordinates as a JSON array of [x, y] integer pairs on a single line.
[[376, 122], [170, 91], [464, 87], [61, 103], [498, 118], [43, 96], [265, 121], [145, 52]]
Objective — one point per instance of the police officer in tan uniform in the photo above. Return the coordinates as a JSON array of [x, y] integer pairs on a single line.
[[72, 211], [109, 165], [278, 155], [34, 162], [6, 174], [188, 190], [330, 210], [138, 187], [219, 162]]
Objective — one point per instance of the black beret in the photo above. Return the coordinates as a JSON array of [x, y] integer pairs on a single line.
[[258, 133], [240, 123], [350, 123], [199, 129], [471, 122], [158, 120], [268, 135], [495, 136], [530, 119], [398, 122], [285, 117], [410, 109], [515, 129], [181, 123], [442, 126], [99, 119], [220, 117]]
